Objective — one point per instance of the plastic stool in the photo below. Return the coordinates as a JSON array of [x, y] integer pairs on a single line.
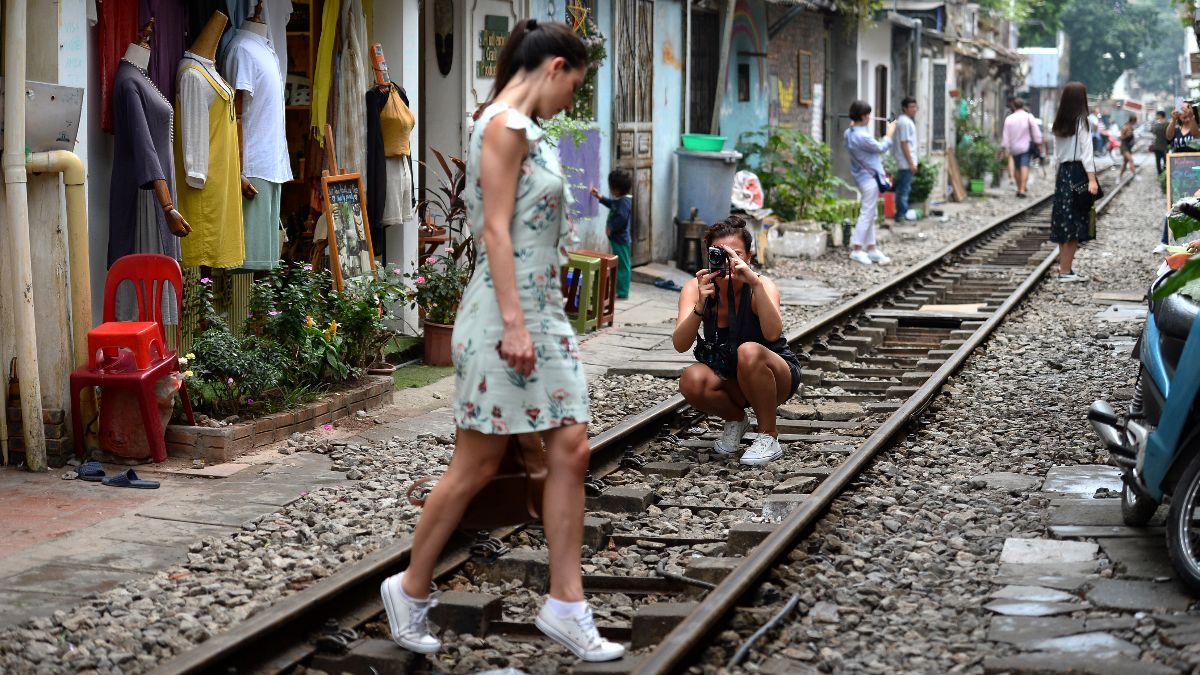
[[582, 292], [142, 338], [608, 285]]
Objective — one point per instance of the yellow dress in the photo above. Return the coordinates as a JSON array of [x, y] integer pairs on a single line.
[[214, 211]]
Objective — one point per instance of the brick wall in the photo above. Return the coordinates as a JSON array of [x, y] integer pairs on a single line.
[[805, 32]]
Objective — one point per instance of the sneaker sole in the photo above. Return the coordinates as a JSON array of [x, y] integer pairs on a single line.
[[759, 461], [561, 639], [387, 608]]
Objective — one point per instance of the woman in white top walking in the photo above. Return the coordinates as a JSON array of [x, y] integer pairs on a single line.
[[1073, 220]]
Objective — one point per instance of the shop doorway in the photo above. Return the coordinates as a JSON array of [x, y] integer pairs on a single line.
[[633, 75], [704, 69]]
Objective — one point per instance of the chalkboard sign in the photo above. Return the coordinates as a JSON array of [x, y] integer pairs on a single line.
[[350, 252], [1182, 180]]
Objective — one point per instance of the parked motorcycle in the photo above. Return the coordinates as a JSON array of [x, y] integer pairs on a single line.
[[1157, 442]]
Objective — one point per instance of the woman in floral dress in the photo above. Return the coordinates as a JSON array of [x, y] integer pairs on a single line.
[[515, 356]]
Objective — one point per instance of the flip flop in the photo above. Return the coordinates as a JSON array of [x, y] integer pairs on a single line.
[[129, 479], [668, 284], [93, 472]]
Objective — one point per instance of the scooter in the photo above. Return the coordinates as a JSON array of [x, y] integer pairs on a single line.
[[1157, 442]]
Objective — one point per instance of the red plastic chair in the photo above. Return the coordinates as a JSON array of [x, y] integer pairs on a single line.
[[149, 274]]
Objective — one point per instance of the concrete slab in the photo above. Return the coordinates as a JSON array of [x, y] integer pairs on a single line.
[[19, 606], [127, 556], [1021, 630], [223, 470], [1032, 594], [1138, 595], [1097, 531], [1095, 645], [1041, 551], [67, 580], [1027, 608], [1105, 512], [1067, 663], [1122, 312], [1144, 557], [1005, 480], [1070, 584], [806, 292], [207, 514], [1082, 480], [1120, 296], [1031, 570], [165, 532]]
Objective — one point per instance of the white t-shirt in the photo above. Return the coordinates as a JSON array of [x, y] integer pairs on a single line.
[[251, 66], [906, 130]]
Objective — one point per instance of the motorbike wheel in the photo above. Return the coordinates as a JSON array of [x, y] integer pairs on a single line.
[[1183, 528], [1137, 508]]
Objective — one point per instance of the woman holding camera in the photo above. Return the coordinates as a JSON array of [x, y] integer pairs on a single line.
[[744, 359], [866, 165]]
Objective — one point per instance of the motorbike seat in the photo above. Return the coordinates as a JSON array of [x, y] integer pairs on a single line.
[[1175, 315]]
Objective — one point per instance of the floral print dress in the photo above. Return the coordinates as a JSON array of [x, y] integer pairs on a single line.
[[490, 397]]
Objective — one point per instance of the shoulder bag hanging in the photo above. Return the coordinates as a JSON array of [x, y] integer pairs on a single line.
[[884, 182], [1035, 149], [1082, 199]]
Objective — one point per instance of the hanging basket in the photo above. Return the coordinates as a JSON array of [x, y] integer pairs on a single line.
[[438, 344]]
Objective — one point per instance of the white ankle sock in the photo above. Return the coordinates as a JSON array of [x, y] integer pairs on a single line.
[[564, 609], [407, 597]]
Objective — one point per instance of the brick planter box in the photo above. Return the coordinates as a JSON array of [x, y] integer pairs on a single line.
[[222, 444]]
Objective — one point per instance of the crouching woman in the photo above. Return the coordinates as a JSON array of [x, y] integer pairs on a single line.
[[743, 358]]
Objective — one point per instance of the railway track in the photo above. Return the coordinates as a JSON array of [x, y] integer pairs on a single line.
[[873, 365]]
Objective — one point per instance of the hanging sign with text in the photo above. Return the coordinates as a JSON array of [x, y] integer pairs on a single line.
[[491, 41]]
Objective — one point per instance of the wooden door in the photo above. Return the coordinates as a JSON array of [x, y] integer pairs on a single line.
[[881, 99], [633, 75]]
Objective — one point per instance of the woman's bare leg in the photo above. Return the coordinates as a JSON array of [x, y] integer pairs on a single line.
[[765, 379], [1066, 255], [707, 392], [567, 456], [476, 458]]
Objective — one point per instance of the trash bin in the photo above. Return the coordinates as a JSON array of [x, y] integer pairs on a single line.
[[706, 183]]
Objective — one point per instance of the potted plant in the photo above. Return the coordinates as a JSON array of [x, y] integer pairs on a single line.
[[438, 283], [923, 182], [976, 156]]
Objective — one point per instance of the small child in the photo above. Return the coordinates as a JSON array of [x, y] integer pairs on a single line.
[[620, 214]]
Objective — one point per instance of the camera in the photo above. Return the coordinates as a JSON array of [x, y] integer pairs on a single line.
[[718, 260]]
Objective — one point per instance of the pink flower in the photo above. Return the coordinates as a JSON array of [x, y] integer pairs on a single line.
[[420, 280], [308, 268], [249, 401], [229, 381], [431, 260], [397, 271], [327, 427], [273, 313], [205, 280], [450, 250]]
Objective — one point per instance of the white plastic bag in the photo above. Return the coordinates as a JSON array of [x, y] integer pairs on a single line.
[[747, 191]]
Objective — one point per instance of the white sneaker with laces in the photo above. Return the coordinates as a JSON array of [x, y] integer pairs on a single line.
[[408, 620], [578, 634], [878, 257], [860, 256], [1071, 277], [731, 437], [764, 449]]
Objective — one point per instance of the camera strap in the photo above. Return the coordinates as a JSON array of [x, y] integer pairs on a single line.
[[710, 315]]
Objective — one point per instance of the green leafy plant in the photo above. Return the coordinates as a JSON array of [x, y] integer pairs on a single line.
[[923, 181], [976, 156], [583, 105], [438, 283], [437, 287], [795, 170]]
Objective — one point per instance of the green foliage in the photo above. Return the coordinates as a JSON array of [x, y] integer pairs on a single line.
[[976, 156], [225, 373], [583, 105], [796, 171], [1105, 37], [1040, 25], [862, 10], [438, 286], [1159, 69], [564, 124], [923, 181], [1187, 275], [438, 283]]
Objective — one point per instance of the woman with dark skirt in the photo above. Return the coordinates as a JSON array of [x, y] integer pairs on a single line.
[[1073, 221]]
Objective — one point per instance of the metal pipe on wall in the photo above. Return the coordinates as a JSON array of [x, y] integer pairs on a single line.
[[17, 192]]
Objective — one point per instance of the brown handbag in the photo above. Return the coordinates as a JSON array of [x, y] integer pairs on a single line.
[[513, 496]]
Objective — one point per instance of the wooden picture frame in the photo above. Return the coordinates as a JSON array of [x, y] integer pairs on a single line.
[[804, 77], [349, 229], [1187, 181]]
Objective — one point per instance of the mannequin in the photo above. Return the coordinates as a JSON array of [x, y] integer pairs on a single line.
[[143, 186], [390, 186], [207, 155], [252, 67]]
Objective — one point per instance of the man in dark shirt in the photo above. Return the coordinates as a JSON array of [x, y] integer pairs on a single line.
[[620, 215], [1161, 143]]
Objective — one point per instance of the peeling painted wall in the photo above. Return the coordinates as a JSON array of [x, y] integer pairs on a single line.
[[749, 39], [668, 121]]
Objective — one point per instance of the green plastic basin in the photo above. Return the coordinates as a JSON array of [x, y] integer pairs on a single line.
[[703, 142]]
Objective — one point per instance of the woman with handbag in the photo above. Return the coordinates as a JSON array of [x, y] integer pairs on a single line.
[[866, 165], [744, 359], [515, 356], [1072, 220]]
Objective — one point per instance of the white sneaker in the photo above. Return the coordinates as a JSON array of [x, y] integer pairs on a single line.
[[1071, 277], [731, 437], [578, 634], [408, 620], [860, 256], [764, 449], [878, 257]]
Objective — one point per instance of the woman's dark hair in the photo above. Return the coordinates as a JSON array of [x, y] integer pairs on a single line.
[[620, 182], [859, 110], [1072, 109], [1132, 119], [733, 226], [530, 43]]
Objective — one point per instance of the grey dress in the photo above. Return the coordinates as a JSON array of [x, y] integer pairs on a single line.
[[142, 154]]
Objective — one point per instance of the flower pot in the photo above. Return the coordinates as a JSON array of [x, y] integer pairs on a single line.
[[438, 344], [977, 186]]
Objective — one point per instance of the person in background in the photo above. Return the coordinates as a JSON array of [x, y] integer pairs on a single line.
[[1070, 223], [761, 372], [906, 155], [866, 165], [1127, 146], [506, 336], [1097, 126], [620, 215], [1161, 141], [1182, 129], [1021, 132]]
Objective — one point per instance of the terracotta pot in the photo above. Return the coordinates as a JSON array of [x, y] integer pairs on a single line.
[[438, 344]]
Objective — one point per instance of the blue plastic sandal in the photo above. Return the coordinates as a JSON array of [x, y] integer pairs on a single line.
[[129, 479], [92, 472]]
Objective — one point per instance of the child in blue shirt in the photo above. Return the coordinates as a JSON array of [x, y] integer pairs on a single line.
[[620, 215]]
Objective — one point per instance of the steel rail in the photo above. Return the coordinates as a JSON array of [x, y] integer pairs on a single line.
[[692, 632], [262, 641]]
